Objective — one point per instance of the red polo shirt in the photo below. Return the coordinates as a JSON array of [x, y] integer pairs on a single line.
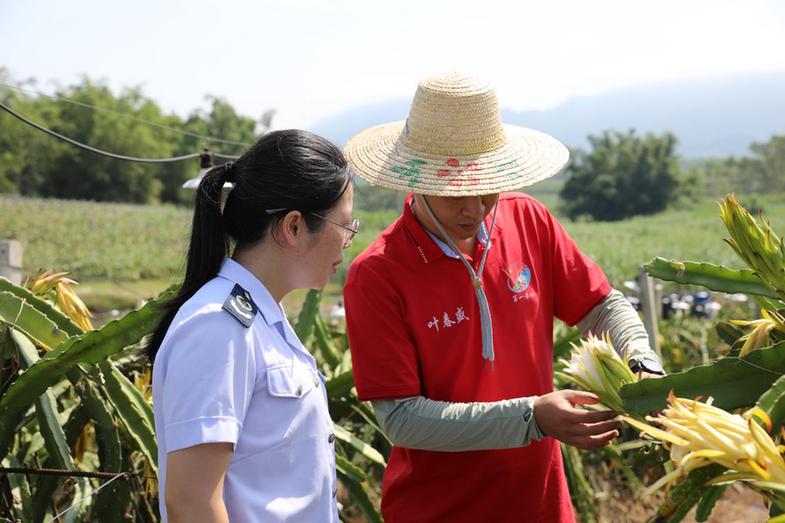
[[414, 329]]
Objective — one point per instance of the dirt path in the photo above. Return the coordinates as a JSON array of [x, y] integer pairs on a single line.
[[737, 505]]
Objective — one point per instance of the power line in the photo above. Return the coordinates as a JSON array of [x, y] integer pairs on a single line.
[[106, 153], [124, 115]]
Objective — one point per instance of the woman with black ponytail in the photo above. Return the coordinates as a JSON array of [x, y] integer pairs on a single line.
[[244, 433]]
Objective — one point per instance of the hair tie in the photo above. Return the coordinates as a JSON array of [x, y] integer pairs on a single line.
[[229, 173]]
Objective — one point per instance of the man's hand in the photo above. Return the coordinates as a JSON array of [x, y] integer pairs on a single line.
[[558, 417]]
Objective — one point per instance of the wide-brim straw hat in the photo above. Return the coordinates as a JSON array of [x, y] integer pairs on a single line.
[[454, 144]]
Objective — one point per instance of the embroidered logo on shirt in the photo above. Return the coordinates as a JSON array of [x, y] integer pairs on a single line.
[[519, 277], [446, 321], [240, 305]]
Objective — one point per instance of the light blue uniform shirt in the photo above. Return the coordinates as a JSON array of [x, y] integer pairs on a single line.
[[216, 380]]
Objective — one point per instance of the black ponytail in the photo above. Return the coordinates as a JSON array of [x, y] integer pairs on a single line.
[[291, 170]]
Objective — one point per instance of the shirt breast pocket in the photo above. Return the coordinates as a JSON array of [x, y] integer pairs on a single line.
[[291, 382]]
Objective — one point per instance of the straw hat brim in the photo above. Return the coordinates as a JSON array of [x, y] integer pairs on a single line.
[[380, 156]]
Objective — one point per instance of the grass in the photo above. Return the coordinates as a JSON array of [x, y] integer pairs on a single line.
[[105, 241], [105, 295], [123, 253], [689, 234]]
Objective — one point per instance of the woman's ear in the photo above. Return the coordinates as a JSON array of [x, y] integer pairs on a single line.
[[291, 229]]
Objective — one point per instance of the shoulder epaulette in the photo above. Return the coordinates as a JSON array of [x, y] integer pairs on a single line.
[[240, 305]]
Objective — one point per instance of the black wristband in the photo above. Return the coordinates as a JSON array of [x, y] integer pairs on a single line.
[[645, 365]]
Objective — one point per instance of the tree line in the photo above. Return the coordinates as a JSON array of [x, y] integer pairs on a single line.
[[626, 174], [623, 174], [35, 164]]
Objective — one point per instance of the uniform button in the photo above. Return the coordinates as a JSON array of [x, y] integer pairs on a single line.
[[331, 438], [315, 382], [299, 390], [335, 492], [527, 416]]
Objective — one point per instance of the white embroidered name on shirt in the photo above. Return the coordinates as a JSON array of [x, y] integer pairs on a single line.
[[528, 295], [446, 321]]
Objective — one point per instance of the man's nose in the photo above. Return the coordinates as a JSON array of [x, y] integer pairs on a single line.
[[473, 206]]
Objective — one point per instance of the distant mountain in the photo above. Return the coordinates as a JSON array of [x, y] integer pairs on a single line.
[[711, 117], [344, 125]]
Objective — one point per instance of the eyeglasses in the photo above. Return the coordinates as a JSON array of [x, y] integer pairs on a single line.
[[351, 229]]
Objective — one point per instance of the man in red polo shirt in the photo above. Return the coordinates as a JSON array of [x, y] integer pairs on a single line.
[[450, 315]]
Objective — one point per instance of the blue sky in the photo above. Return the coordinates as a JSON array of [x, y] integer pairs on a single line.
[[311, 59]]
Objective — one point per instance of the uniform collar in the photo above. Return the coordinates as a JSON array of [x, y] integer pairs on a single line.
[[429, 246], [271, 311]]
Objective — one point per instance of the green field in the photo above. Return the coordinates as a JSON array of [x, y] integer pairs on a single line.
[[131, 251], [97, 240], [693, 234]]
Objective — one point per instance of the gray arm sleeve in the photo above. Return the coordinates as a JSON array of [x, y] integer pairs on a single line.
[[422, 423], [620, 320]]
